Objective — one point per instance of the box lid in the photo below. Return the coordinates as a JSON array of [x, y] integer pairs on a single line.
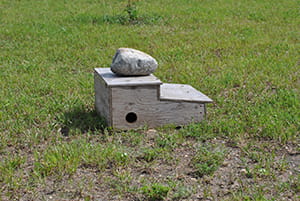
[[182, 92], [111, 79]]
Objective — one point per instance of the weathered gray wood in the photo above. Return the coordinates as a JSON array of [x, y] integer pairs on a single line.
[[112, 79], [144, 98], [150, 110], [102, 98], [182, 92]]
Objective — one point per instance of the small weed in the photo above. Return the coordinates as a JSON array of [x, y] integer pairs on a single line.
[[155, 191], [150, 154], [249, 173], [131, 11], [132, 16], [207, 160], [129, 16], [166, 141]]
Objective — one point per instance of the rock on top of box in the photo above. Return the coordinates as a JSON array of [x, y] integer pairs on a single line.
[[131, 62]]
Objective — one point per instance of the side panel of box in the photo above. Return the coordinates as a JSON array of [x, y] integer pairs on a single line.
[[102, 98], [177, 113], [137, 100], [143, 107]]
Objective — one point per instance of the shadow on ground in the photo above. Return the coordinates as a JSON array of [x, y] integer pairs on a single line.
[[82, 119]]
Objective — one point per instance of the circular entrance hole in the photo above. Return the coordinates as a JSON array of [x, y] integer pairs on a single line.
[[131, 117]]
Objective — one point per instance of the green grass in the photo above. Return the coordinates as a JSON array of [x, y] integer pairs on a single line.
[[242, 54], [206, 161], [155, 191]]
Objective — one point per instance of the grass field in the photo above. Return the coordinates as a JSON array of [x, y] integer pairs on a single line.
[[244, 54]]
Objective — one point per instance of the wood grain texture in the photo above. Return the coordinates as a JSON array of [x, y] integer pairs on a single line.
[[111, 79], [182, 92], [151, 111], [102, 98]]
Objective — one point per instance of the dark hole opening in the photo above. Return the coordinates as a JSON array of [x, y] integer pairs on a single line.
[[178, 127], [131, 117]]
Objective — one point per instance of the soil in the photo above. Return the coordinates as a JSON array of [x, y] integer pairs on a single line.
[[240, 176]]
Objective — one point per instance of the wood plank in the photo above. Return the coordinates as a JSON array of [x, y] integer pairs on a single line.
[[182, 92], [112, 80], [102, 99]]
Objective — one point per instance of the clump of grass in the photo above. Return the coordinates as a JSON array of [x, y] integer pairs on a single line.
[[66, 158], [127, 20], [207, 160], [123, 19], [201, 131], [155, 191], [150, 154], [129, 16], [132, 16], [8, 169], [167, 141]]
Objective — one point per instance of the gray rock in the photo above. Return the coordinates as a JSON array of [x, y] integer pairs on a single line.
[[129, 61]]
